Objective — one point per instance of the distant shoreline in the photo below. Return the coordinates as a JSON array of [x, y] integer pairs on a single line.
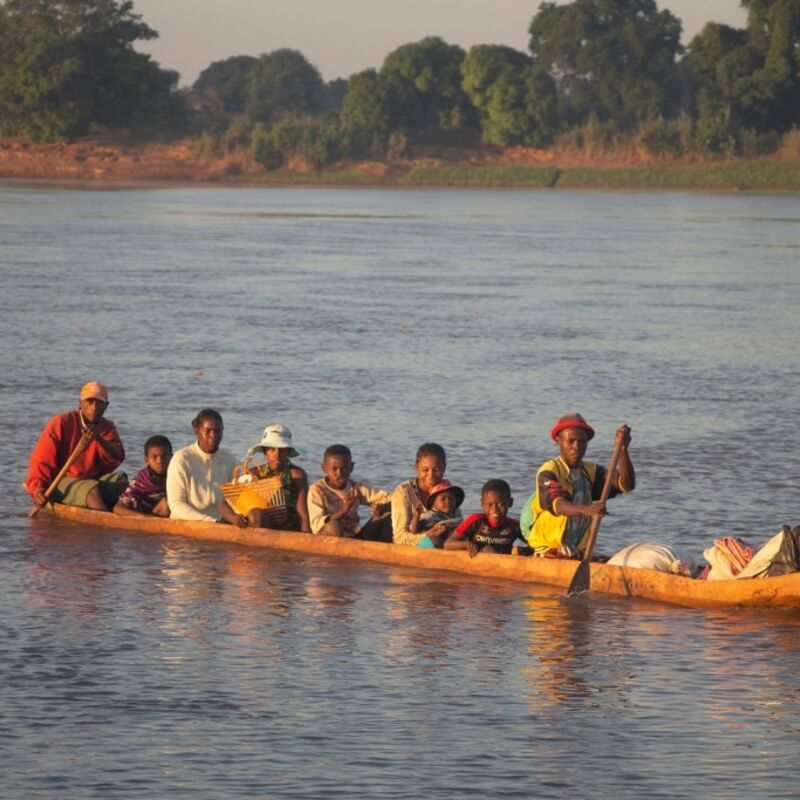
[[104, 164]]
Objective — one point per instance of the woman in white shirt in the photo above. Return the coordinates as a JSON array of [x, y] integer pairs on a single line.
[[196, 471]]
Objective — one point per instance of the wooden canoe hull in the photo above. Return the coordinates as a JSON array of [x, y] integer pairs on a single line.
[[780, 592]]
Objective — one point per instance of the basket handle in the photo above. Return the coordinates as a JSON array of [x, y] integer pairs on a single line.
[[241, 469]]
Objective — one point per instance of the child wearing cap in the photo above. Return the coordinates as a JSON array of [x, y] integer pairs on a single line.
[[568, 489], [493, 531], [438, 515], [333, 500], [147, 492], [430, 466], [91, 481], [276, 445]]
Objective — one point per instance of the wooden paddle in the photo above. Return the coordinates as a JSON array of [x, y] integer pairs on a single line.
[[580, 580], [83, 443]]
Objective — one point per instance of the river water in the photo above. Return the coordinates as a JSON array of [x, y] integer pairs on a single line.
[[146, 667]]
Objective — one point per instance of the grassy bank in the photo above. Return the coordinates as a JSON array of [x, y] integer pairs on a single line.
[[450, 175], [724, 176], [341, 177], [490, 175], [731, 176]]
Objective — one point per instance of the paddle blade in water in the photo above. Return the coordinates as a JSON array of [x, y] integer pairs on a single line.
[[580, 580]]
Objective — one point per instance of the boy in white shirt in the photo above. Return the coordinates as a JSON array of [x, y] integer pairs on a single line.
[[333, 501]]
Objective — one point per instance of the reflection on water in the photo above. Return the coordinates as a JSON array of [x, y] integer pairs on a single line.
[[314, 676], [140, 666]]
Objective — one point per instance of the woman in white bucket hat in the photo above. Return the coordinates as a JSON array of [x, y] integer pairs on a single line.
[[276, 445]]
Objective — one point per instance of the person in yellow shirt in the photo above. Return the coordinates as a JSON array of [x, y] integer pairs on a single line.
[[568, 488]]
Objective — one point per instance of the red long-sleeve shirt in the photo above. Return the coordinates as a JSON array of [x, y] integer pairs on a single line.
[[56, 443]]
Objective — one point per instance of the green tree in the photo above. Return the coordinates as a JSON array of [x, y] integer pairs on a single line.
[[364, 115], [705, 53], [749, 78], [516, 100], [229, 79], [65, 65], [614, 59], [40, 88], [284, 84], [773, 28], [365, 105], [718, 62], [423, 85]]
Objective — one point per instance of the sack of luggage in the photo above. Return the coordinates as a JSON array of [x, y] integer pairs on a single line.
[[660, 557]]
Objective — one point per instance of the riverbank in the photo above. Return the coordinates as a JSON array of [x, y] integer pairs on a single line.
[[185, 161]]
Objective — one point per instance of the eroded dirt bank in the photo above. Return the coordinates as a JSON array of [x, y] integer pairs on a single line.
[[101, 161]]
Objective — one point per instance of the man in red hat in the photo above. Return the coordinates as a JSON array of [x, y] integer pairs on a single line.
[[568, 488], [89, 482]]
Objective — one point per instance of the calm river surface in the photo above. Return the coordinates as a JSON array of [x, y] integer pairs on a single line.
[[141, 667]]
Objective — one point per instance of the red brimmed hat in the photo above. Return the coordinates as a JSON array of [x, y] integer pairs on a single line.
[[571, 421], [445, 486]]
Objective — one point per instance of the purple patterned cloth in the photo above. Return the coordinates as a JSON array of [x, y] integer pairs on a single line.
[[145, 491]]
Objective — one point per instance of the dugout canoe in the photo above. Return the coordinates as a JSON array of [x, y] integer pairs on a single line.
[[781, 592]]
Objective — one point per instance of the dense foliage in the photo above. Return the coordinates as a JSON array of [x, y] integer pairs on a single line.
[[516, 98], [423, 85], [68, 64], [599, 73], [281, 84], [228, 80], [612, 59], [749, 78]]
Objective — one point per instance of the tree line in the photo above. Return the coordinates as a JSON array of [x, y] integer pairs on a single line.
[[610, 69]]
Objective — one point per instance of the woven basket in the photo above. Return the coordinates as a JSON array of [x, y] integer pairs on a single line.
[[267, 493]]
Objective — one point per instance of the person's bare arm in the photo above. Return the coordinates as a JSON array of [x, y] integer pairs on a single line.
[[567, 508], [352, 502], [454, 542], [123, 510], [413, 523], [161, 508], [626, 474], [300, 480], [112, 448], [460, 543], [230, 516]]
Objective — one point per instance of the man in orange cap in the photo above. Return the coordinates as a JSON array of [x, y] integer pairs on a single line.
[[568, 488], [90, 482]]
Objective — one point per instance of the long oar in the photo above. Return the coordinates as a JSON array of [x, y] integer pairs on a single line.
[[580, 580], [79, 448]]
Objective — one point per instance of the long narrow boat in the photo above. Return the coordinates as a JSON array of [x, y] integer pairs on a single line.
[[782, 592]]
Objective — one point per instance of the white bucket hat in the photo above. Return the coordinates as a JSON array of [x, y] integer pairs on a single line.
[[276, 436]]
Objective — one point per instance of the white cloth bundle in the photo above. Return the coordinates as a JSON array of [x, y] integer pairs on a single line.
[[660, 557]]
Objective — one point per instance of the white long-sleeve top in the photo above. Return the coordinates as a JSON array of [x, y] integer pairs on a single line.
[[193, 482]]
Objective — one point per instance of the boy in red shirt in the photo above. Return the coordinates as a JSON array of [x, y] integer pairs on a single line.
[[492, 531]]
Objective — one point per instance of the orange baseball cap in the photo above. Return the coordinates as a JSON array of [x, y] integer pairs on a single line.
[[94, 390]]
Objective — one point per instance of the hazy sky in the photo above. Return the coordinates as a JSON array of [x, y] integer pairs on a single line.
[[345, 36]]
